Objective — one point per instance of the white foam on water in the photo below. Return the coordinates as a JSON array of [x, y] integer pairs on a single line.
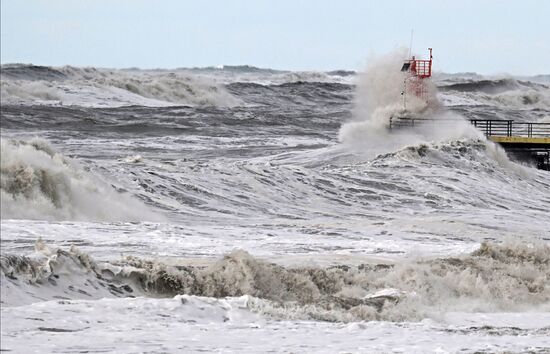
[[190, 324], [39, 183]]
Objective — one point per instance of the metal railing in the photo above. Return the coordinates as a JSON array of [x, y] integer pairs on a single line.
[[490, 127], [494, 127], [398, 122]]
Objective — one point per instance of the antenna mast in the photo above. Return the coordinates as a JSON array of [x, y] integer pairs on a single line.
[[411, 45]]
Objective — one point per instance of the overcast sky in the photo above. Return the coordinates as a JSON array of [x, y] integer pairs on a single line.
[[485, 36]]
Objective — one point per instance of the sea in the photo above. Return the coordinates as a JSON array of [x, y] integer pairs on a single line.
[[236, 209]]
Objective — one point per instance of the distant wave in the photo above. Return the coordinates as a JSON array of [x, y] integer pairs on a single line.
[[29, 84], [243, 69], [490, 86], [220, 86], [31, 72], [299, 92], [512, 93]]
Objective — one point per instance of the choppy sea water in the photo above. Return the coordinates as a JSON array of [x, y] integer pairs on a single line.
[[252, 210]]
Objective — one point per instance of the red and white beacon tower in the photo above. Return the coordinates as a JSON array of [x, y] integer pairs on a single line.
[[417, 72]]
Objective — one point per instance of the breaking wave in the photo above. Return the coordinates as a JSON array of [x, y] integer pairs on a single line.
[[463, 154], [95, 87], [507, 92], [513, 276], [486, 86], [378, 89], [39, 183], [491, 86], [27, 84]]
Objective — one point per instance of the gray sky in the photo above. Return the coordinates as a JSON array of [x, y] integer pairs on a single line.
[[485, 36]]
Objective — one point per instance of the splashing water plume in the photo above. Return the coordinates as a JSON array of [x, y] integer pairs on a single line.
[[379, 96]]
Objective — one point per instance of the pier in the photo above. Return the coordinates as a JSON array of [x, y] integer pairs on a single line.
[[521, 140]]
